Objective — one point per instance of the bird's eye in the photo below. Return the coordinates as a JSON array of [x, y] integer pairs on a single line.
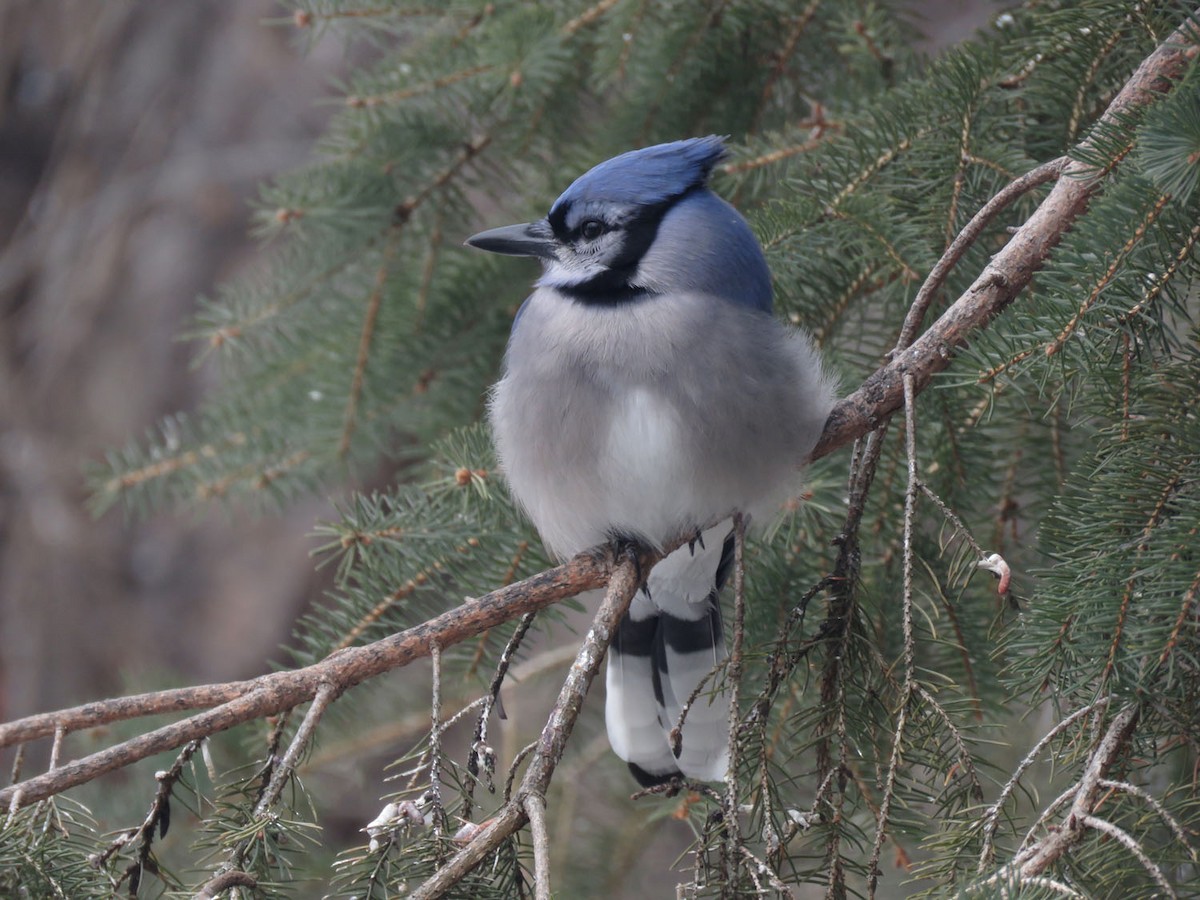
[[592, 229]]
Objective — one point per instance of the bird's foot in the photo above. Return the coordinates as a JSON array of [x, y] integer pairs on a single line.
[[624, 546]]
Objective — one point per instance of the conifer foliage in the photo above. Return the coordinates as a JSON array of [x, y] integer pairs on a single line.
[[968, 658]]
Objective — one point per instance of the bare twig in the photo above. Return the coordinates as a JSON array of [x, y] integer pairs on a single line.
[[422, 764], [758, 867], [1148, 798], [675, 735], [964, 757], [906, 692], [326, 693], [782, 660], [733, 682], [992, 815], [535, 809], [836, 629], [479, 746], [624, 582], [953, 518], [1033, 860], [1130, 844], [60, 734], [159, 815], [1016, 883], [1035, 177], [223, 882], [515, 767], [535, 665], [1055, 805], [435, 742]]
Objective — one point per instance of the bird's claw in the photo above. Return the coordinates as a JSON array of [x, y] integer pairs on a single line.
[[630, 548]]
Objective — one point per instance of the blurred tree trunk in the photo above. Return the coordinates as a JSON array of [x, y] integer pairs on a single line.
[[131, 137]]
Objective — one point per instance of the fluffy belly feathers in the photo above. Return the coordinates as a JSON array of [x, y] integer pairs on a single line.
[[607, 465]]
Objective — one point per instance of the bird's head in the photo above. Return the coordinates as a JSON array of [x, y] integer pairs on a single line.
[[640, 224]]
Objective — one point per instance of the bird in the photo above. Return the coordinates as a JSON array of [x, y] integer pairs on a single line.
[[648, 394]]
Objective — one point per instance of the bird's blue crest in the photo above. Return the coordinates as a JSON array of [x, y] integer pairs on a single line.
[[647, 176]]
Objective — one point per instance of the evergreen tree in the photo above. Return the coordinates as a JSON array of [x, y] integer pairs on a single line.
[[908, 722]]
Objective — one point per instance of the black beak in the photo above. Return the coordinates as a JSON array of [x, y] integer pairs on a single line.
[[533, 239]]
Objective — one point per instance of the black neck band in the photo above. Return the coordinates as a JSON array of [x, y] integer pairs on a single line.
[[609, 288]]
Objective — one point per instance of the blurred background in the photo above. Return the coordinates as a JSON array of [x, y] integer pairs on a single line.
[[132, 136]]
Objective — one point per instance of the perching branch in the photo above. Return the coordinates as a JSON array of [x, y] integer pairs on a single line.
[[278, 691]]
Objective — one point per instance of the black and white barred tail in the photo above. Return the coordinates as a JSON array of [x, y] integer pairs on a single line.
[[670, 641]]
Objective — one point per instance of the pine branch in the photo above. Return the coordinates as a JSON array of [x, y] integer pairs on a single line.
[[1080, 819], [1011, 270], [867, 412], [992, 815], [274, 693], [217, 885], [910, 681], [625, 577], [733, 684], [879, 396], [535, 810]]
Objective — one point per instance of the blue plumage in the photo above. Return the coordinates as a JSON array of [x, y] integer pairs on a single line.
[[648, 394], [648, 176]]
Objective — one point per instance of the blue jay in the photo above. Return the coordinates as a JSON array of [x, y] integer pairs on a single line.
[[648, 392]]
